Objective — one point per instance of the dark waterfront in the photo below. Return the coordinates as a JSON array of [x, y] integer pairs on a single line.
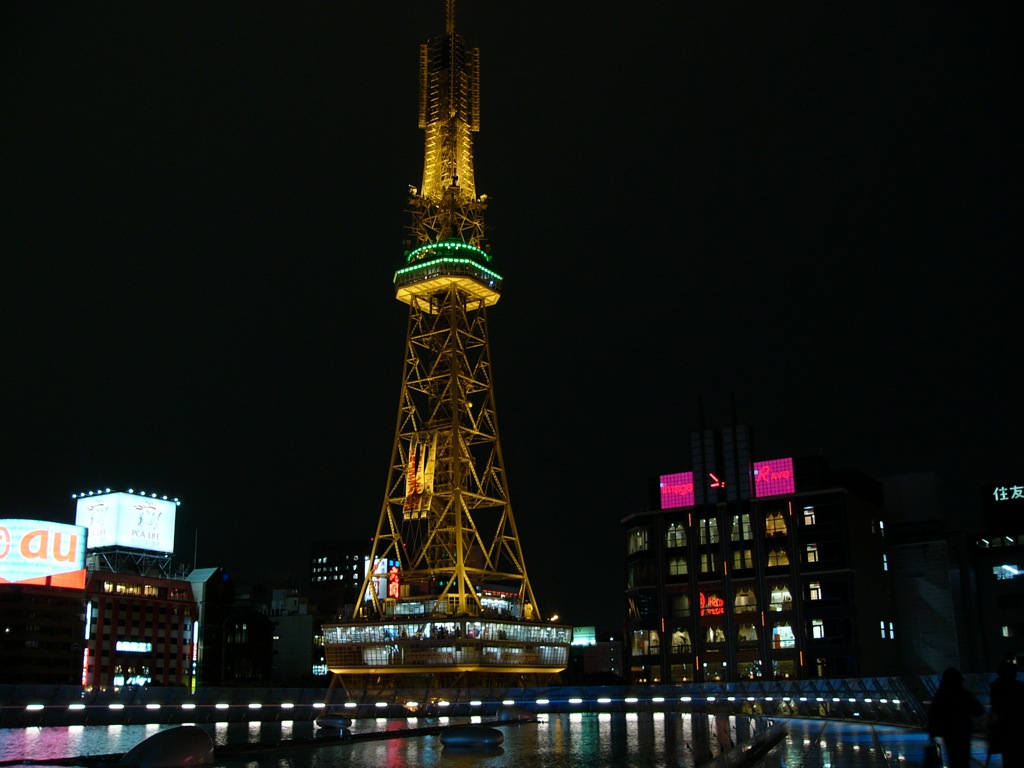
[[568, 740], [615, 739]]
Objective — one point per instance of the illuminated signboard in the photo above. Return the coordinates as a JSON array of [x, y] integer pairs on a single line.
[[393, 581], [133, 646], [711, 605], [384, 575], [774, 478], [41, 552], [1002, 493], [127, 520], [677, 490]]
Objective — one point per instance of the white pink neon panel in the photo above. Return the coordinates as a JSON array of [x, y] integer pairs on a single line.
[[771, 478]]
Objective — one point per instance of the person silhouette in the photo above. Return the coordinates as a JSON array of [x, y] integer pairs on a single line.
[[1006, 694], [949, 718]]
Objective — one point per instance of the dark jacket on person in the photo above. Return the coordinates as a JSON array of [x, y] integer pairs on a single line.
[[1006, 695], [950, 718]]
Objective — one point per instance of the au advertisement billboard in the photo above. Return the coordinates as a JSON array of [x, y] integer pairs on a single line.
[[127, 520], [43, 553]]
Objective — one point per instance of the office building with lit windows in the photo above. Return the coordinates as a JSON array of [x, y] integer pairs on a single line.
[[749, 569], [337, 569], [999, 564], [140, 630]]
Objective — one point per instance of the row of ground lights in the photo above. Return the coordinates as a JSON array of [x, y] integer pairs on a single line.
[[510, 702]]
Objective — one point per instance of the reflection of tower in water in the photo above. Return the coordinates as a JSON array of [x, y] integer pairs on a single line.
[[447, 596]]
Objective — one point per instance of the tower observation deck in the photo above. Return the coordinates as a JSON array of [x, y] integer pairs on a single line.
[[446, 599]]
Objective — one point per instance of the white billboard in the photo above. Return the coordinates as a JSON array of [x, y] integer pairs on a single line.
[[41, 552], [127, 520]]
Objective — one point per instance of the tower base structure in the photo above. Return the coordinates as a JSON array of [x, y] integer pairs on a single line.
[[446, 652]]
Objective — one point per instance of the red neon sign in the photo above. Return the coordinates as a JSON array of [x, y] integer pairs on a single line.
[[393, 583], [711, 605]]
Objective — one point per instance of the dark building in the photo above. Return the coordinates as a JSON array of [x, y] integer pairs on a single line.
[[758, 569], [294, 650], [932, 566], [41, 634], [42, 606]]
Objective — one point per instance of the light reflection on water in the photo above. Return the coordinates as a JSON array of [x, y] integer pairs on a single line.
[[556, 741]]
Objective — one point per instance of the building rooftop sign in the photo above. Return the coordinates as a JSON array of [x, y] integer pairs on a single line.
[[774, 477], [127, 520], [43, 553]]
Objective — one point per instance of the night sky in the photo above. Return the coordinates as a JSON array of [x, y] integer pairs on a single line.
[[813, 209]]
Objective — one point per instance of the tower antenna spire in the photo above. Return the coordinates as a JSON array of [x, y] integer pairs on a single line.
[[446, 206]]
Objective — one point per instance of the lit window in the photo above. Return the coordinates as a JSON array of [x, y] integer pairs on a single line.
[[707, 562], [740, 528], [892, 631], [675, 536], [745, 601], [881, 527], [641, 642], [885, 562], [1006, 571], [681, 642], [778, 557], [809, 518], [812, 553], [1007, 632], [637, 541], [677, 566], [708, 530], [742, 558], [814, 590], [775, 524], [782, 636], [781, 598], [817, 629], [883, 630]]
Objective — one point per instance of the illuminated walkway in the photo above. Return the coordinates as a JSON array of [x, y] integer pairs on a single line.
[[835, 744]]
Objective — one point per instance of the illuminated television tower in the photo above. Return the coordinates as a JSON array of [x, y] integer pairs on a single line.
[[446, 596]]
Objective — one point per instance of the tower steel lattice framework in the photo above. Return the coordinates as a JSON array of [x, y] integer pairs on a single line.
[[447, 599]]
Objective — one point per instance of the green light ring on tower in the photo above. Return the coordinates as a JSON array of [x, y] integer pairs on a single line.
[[437, 266], [448, 247]]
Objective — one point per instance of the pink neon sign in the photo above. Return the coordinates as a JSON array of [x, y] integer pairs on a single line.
[[774, 477], [677, 490]]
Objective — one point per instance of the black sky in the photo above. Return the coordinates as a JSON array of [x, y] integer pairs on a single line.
[[814, 207]]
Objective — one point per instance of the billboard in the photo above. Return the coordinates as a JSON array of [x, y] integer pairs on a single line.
[[127, 520], [774, 478], [386, 578], [419, 476], [676, 490], [43, 553]]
